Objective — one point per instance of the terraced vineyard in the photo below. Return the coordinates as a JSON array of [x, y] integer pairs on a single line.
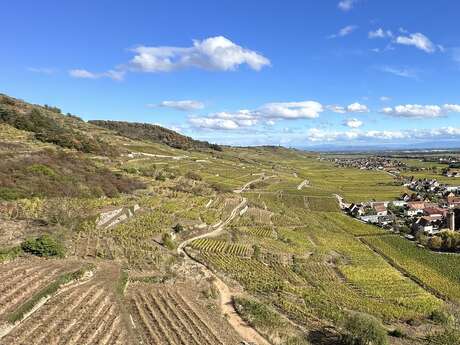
[[163, 316], [217, 246], [87, 313], [21, 280]]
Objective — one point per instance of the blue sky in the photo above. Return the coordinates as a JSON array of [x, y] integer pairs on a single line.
[[297, 73]]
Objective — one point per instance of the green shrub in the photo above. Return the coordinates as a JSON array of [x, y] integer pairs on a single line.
[[445, 337], [257, 314], [40, 169], [168, 241], [397, 333], [44, 245], [7, 254], [440, 317], [193, 176], [178, 228], [7, 193], [363, 329]]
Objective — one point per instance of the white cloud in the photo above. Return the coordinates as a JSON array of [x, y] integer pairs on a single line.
[[417, 40], [185, 105], [400, 72], [345, 31], [84, 74], [385, 98], [292, 110], [214, 53], [346, 5], [351, 108], [353, 123], [213, 123], [266, 114], [42, 70], [225, 120], [454, 108], [380, 33], [357, 108], [421, 111], [337, 109]]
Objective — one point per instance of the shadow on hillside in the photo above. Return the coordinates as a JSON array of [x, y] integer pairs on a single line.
[[323, 337]]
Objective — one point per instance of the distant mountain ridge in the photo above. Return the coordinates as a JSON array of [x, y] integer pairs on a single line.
[[154, 133]]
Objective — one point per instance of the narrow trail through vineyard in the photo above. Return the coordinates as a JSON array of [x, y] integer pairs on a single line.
[[248, 333]]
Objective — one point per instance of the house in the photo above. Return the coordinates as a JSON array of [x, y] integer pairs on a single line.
[[380, 209], [373, 219], [405, 197], [385, 220], [426, 225], [399, 203], [435, 213], [356, 210], [414, 208], [453, 201]]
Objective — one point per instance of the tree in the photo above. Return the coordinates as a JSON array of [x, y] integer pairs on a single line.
[[45, 245], [178, 228], [363, 329], [435, 243]]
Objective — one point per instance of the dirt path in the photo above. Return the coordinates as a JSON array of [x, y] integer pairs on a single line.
[[217, 228], [246, 186], [340, 200], [304, 183], [248, 333]]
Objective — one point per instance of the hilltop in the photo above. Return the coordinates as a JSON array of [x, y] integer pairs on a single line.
[[155, 134]]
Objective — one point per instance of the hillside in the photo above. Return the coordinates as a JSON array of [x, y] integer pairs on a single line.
[[155, 134], [148, 243], [49, 125]]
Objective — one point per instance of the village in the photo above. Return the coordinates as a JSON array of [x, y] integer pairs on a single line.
[[430, 214], [371, 163]]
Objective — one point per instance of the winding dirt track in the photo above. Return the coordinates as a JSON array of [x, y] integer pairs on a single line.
[[248, 333]]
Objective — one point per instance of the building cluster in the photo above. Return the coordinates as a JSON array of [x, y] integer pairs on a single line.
[[371, 163], [431, 208]]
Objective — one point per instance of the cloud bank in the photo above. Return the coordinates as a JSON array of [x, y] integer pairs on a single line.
[[421, 111]]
